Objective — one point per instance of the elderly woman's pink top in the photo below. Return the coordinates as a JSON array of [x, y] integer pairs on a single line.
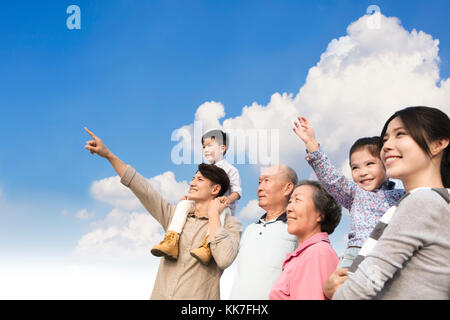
[[305, 270]]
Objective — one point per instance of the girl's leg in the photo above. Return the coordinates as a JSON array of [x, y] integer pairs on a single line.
[[346, 260]]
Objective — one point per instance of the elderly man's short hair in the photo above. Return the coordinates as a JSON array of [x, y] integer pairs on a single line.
[[326, 205]]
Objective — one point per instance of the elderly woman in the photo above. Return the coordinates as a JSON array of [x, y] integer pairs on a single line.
[[312, 214]]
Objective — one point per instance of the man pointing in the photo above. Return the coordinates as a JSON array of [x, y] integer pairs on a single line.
[[186, 277]]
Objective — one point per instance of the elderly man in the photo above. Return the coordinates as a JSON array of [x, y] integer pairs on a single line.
[[186, 277], [265, 243]]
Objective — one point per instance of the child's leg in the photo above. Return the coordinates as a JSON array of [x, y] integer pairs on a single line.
[[346, 260], [169, 246], [184, 207], [225, 212]]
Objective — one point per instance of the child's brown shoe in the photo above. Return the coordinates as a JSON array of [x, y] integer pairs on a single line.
[[202, 253], [168, 247]]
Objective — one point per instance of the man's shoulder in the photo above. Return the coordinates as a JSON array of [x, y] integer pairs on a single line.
[[232, 221]]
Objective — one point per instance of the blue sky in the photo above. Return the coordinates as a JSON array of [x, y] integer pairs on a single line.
[[135, 72]]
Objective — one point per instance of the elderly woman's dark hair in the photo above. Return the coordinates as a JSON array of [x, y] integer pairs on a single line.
[[329, 209]]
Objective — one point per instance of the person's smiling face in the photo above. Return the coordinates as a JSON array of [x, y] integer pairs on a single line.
[[201, 188], [212, 151], [400, 153], [271, 188], [302, 216], [367, 170]]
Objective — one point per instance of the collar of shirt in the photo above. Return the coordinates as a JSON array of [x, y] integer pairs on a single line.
[[318, 237], [220, 162], [192, 214], [388, 185], [282, 217]]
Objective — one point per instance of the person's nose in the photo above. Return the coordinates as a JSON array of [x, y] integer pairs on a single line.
[[387, 145], [289, 207]]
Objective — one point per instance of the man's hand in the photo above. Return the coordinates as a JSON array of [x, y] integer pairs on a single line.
[[338, 277], [97, 146], [305, 131]]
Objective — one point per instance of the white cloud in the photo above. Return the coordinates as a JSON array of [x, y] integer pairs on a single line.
[[128, 231], [360, 80], [120, 236], [83, 214], [251, 211], [112, 191]]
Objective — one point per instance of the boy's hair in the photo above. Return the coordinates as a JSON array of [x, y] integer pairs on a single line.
[[216, 175], [219, 136], [330, 210], [372, 144]]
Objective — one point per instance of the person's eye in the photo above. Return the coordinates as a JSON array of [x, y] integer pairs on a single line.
[[354, 168], [370, 163], [401, 133]]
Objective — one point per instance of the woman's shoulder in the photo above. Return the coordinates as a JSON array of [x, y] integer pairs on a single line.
[[430, 204], [426, 195]]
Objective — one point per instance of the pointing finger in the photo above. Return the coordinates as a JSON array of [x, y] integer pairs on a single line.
[[90, 133]]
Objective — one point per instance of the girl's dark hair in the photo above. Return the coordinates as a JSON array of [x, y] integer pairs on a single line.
[[329, 209], [425, 125], [216, 175], [371, 143]]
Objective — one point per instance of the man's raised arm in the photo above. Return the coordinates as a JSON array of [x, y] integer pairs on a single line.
[[97, 146], [158, 207]]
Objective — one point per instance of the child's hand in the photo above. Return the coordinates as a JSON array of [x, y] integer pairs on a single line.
[[225, 200], [184, 198], [217, 205], [305, 131]]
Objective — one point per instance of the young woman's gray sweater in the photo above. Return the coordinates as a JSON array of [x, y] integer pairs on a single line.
[[411, 260]]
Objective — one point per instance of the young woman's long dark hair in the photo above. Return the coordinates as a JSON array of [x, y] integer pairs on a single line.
[[425, 125]]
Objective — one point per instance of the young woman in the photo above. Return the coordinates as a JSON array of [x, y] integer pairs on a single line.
[[408, 254]]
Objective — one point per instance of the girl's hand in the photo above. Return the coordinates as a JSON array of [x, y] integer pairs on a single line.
[[305, 131], [338, 277]]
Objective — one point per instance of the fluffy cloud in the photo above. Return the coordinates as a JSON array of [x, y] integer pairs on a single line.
[[111, 191], [83, 214], [360, 80], [120, 236], [128, 231], [252, 211]]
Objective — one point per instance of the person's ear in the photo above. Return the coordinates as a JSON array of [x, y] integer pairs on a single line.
[[288, 188], [223, 148], [438, 145], [216, 189], [319, 218]]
